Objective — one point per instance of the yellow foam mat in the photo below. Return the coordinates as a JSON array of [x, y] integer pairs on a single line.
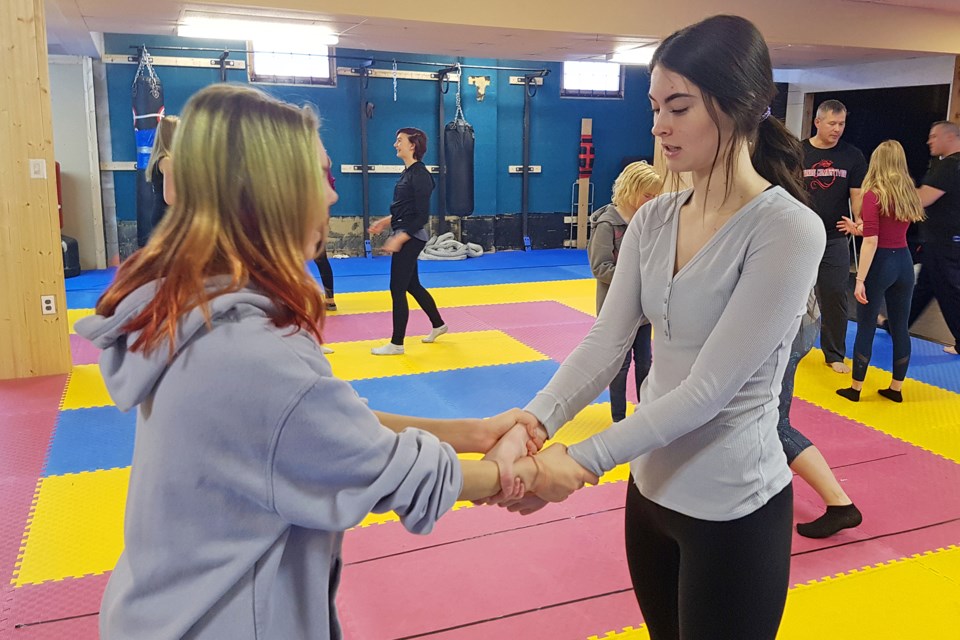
[[76, 528], [579, 294], [916, 597], [929, 416], [75, 314], [912, 598], [353, 360], [85, 388]]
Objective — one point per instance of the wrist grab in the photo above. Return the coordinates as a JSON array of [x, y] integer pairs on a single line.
[[540, 471]]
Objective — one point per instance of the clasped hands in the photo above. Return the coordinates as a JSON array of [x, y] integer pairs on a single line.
[[530, 478]]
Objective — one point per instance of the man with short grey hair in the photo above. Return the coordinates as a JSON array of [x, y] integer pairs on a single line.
[[833, 172], [940, 233]]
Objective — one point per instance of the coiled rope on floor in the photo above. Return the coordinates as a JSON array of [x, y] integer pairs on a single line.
[[446, 247]]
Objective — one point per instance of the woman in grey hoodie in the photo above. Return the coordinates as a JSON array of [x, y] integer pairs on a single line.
[[636, 185], [251, 458]]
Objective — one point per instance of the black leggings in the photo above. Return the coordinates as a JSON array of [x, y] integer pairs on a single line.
[[890, 279], [703, 580], [326, 273], [405, 279]]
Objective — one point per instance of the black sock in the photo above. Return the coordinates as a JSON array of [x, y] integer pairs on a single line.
[[834, 520], [890, 394], [850, 394]]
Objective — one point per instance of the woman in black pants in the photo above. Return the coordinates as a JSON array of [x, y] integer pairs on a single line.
[[409, 214], [709, 514], [322, 261], [326, 279], [885, 272]]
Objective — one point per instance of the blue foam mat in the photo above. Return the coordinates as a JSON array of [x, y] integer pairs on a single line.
[[381, 282], [380, 264], [95, 279], [85, 299], [464, 393], [363, 274], [91, 439], [103, 437], [928, 362]]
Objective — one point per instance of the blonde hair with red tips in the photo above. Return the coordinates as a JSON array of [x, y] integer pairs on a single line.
[[249, 187]]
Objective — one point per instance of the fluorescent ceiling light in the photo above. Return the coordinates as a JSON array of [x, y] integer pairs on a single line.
[[637, 55], [287, 36]]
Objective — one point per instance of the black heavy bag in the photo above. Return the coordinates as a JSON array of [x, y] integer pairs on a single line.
[[458, 142], [147, 96]]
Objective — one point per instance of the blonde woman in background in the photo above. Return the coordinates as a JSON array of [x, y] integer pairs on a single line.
[[634, 187], [885, 272], [160, 168]]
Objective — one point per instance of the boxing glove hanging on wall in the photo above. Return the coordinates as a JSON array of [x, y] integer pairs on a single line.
[[147, 96]]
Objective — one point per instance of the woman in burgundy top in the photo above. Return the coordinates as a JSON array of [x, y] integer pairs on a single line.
[[885, 272]]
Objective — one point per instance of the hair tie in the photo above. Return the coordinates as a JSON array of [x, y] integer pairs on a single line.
[[765, 115]]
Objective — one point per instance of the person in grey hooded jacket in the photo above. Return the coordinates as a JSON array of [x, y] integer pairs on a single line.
[[636, 185], [250, 457]]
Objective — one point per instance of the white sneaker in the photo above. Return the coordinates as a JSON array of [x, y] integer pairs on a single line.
[[325, 349], [434, 334], [388, 349]]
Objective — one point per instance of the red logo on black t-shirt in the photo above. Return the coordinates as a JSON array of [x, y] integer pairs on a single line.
[[823, 169]]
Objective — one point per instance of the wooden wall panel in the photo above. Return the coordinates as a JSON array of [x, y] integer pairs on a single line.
[[31, 263], [954, 109]]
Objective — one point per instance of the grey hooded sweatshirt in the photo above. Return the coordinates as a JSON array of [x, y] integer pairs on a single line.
[[608, 227], [250, 461]]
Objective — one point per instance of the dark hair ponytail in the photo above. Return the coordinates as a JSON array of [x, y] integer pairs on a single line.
[[727, 58], [777, 155]]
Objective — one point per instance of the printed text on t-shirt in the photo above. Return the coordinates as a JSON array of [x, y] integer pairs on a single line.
[[823, 169]]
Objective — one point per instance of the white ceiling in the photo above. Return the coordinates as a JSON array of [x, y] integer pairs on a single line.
[[71, 23]]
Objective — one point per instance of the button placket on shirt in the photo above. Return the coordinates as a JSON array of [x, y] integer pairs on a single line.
[[666, 314]]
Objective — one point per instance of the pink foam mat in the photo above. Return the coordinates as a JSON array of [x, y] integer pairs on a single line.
[[83, 351], [31, 394], [841, 557], [569, 621], [375, 541], [538, 315], [556, 342], [889, 504], [67, 598], [843, 441], [503, 317], [84, 628], [483, 578], [26, 438]]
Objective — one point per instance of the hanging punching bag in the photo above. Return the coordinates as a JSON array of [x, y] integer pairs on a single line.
[[147, 97], [458, 142]]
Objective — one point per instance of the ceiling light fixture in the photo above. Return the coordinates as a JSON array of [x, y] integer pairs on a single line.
[[288, 34], [636, 55]]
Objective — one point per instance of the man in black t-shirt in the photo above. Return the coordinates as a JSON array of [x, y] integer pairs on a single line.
[[833, 172], [940, 233]]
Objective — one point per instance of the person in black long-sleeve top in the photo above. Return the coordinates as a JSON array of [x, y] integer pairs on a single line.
[[322, 261], [409, 214]]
